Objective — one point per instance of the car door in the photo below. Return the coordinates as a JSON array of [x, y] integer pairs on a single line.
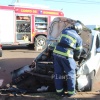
[[94, 61], [97, 55]]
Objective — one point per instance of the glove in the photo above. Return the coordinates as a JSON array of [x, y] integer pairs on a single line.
[[83, 54], [77, 55], [80, 55]]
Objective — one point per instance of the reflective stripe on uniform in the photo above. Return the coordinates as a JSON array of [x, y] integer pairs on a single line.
[[78, 48], [67, 54], [71, 92], [58, 91], [71, 38]]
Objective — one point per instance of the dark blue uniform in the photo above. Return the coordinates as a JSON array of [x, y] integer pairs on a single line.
[[70, 43]]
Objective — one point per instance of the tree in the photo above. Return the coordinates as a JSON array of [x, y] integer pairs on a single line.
[[98, 29]]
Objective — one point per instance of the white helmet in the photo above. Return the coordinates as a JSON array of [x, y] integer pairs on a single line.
[[78, 27]]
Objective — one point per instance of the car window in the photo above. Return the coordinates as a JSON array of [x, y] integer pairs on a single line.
[[97, 42]]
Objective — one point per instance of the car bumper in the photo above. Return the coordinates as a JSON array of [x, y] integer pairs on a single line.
[[82, 82]]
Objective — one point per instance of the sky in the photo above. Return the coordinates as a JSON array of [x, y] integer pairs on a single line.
[[87, 11]]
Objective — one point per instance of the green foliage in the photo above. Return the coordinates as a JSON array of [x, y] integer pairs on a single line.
[[97, 28]]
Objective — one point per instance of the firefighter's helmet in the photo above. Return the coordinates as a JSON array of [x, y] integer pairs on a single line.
[[78, 27]]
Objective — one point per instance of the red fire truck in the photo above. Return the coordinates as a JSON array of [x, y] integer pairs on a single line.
[[24, 25]]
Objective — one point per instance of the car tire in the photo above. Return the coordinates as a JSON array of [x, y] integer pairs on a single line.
[[92, 75], [0, 53], [90, 85], [40, 42]]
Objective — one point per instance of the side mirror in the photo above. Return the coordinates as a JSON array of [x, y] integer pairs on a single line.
[[98, 50]]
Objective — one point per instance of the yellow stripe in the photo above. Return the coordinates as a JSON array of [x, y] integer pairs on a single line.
[[71, 38], [71, 92], [59, 90], [78, 48], [71, 44], [67, 54]]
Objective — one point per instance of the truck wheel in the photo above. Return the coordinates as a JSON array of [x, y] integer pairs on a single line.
[[40, 42]]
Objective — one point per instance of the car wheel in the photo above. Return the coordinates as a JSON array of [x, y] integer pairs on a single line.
[[0, 53], [92, 74], [91, 81], [40, 42]]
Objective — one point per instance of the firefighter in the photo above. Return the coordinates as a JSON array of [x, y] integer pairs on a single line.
[[69, 45]]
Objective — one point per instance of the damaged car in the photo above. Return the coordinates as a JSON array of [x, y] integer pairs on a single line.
[[39, 76]]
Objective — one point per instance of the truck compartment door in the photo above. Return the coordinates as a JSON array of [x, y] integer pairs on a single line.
[[7, 26]]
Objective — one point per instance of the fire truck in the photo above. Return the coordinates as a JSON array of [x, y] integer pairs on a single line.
[[25, 25]]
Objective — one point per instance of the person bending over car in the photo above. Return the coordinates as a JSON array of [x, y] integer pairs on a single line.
[[69, 45]]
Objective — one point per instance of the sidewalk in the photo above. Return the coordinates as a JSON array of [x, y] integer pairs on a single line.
[[52, 96]]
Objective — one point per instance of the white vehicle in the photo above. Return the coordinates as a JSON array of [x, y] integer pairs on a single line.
[[90, 66], [87, 66]]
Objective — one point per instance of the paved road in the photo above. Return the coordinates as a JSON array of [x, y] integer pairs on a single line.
[[16, 57], [13, 58]]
